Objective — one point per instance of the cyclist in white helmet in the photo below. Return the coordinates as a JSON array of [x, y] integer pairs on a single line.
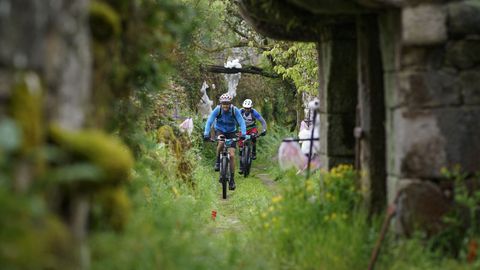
[[227, 117], [250, 115]]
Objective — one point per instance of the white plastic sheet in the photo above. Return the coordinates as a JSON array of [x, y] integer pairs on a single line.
[[205, 104], [290, 156], [187, 126], [233, 79]]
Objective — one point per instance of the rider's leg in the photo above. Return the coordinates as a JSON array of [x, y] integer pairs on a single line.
[[232, 168], [254, 148], [219, 149]]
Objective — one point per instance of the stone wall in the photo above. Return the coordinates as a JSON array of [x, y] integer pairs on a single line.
[[431, 56], [45, 70], [50, 40], [430, 62]]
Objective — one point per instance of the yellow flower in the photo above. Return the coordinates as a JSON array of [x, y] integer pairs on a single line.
[[266, 225], [147, 194], [175, 191], [277, 199], [309, 185], [263, 215], [271, 208]]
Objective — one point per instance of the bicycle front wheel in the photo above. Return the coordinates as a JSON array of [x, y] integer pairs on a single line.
[[245, 160], [224, 176]]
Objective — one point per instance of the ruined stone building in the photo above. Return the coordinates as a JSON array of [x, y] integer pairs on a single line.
[[406, 73]]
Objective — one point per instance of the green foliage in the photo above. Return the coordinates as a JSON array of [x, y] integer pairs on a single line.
[[112, 209], [297, 62], [461, 235], [406, 254], [133, 64], [455, 247], [313, 224], [170, 225], [273, 98], [30, 237]]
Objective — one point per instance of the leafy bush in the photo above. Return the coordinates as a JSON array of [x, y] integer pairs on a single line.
[[313, 224]]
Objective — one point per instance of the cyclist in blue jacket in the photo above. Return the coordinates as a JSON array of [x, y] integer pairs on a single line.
[[227, 118]]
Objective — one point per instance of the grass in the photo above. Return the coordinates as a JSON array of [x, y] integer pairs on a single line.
[[289, 223]]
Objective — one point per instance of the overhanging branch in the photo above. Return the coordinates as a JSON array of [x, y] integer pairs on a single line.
[[244, 69]]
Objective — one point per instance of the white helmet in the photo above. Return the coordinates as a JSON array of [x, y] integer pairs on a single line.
[[247, 103], [225, 98]]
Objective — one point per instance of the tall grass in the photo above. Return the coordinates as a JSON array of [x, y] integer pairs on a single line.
[[171, 227], [303, 224], [303, 229]]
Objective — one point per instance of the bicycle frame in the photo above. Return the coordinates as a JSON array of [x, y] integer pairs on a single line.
[[225, 163]]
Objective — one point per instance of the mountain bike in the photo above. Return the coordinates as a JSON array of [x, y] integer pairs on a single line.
[[246, 157], [225, 162]]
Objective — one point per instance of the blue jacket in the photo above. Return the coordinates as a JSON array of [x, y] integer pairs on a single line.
[[226, 122]]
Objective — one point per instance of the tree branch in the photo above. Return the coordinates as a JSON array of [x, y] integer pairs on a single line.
[[244, 69]]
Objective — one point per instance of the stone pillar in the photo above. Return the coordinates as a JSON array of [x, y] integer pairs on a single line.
[[51, 39], [432, 69], [338, 94], [45, 68], [371, 114]]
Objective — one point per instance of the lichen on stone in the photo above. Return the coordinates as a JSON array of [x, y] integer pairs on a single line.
[[27, 110]]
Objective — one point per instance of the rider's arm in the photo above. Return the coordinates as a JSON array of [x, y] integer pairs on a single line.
[[260, 118], [210, 120], [241, 121]]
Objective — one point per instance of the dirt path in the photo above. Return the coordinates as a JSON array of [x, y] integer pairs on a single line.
[[252, 193], [267, 181]]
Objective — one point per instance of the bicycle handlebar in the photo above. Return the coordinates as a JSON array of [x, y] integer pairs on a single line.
[[221, 138]]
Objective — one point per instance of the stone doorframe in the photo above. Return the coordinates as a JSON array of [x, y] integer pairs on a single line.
[[338, 95]]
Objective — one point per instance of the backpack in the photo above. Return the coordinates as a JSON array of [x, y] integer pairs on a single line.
[[232, 112]]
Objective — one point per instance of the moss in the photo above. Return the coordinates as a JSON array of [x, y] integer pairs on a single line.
[[185, 171], [31, 238], [104, 21], [113, 208], [103, 150], [166, 135], [178, 145], [27, 110]]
